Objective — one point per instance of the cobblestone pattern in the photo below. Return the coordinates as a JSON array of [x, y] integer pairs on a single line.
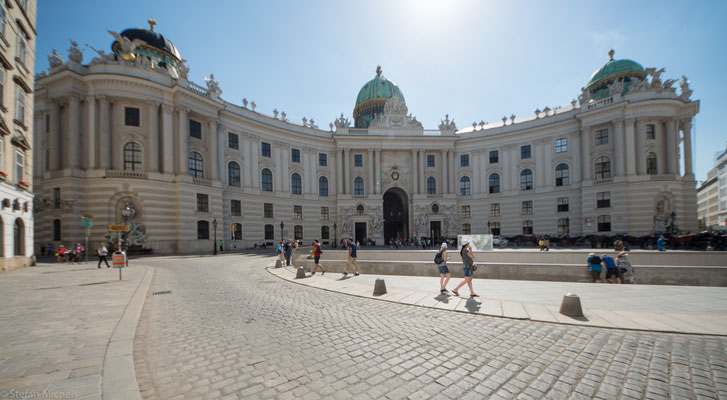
[[231, 330]]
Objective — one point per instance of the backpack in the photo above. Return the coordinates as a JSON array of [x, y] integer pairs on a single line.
[[594, 259], [439, 258]]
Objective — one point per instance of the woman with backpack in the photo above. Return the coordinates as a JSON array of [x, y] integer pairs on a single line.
[[441, 260], [594, 266], [468, 259]]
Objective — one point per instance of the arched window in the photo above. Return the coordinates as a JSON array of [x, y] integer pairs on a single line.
[[296, 184], [298, 232], [203, 229], [325, 233], [358, 186], [495, 183], [561, 175], [233, 174], [269, 232], [603, 168], [236, 232], [466, 229], [604, 223], [464, 186], [651, 167], [132, 157], [323, 186], [56, 230], [266, 183], [431, 186], [19, 237], [360, 209], [195, 165], [526, 179]]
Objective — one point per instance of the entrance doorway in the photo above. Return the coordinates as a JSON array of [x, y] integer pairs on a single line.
[[360, 229], [435, 230], [396, 215]]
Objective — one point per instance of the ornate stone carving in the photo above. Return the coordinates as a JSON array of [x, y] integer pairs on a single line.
[[669, 83], [394, 116], [74, 53], [637, 85], [451, 219], [584, 97], [183, 69], [684, 86], [282, 116], [447, 125], [342, 122], [253, 105], [655, 76], [55, 59], [127, 46], [275, 113], [244, 102], [617, 87], [212, 85]]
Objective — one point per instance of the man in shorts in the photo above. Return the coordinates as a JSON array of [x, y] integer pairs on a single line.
[[317, 258], [351, 257], [594, 266], [612, 271]]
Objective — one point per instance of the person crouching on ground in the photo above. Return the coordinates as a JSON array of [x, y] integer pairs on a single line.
[[443, 269], [317, 257], [467, 260], [594, 266], [612, 271]]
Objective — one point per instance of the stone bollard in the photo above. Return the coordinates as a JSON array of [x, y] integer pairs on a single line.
[[300, 273], [379, 287], [571, 306], [278, 263]]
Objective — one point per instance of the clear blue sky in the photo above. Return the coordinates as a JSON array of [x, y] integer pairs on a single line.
[[474, 60]]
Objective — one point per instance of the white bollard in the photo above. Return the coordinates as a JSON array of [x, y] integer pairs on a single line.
[[571, 306], [300, 273], [379, 287]]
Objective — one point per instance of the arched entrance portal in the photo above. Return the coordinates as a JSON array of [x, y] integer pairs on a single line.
[[396, 215]]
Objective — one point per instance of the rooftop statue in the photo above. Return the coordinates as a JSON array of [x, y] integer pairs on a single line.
[[447, 125], [55, 59], [128, 47], [342, 122], [655, 76], [213, 85], [686, 92], [74, 53]]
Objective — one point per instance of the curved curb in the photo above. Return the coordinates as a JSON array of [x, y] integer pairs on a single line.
[[119, 374], [268, 268]]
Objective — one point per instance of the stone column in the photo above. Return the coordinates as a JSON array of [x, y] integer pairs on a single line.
[[167, 148], [574, 147], [214, 173], [371, 172], [90, 145], [182, 140], [476, 173], [586, 153], [452, 172], [247, 158], [687, 130], [339, 171], [618, 145], [422, 183], [548, 174], [640, 146], [74, 136], [630, 144], [255, 149], [152, 152], [54, 136], [278, 171], [662, 154], [117, 163], [514, 173], [377, 170], [445, 174], [285, 169], [672, 155], [347, 167], [415, 171], [539, 163]]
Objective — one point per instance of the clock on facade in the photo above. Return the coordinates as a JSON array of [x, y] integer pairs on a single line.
[[395, 175]]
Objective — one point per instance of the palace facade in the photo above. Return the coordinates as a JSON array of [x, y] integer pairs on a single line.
[[128, 139]]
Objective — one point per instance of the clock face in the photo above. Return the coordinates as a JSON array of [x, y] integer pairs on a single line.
[[395, 175]]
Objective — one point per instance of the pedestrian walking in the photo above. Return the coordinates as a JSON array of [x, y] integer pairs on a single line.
[[279, 251], [594, 266], [288, 250], [61, 254], [221, 245], [441, 260], [625, 268], [351, 257], [102, 252], [317, 257], [468, 259], [660, 243], [612, 272]]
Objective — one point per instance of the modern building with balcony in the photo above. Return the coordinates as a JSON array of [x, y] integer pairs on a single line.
[[129, 139]]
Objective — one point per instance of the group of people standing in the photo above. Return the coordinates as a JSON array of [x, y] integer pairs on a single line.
[[285, 250]]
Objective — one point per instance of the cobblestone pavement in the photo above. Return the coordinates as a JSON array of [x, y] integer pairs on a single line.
[[229, 329]]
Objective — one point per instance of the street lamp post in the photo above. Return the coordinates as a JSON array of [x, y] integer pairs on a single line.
[[214, 244], [488, 228], [282, 225], [335, 235]]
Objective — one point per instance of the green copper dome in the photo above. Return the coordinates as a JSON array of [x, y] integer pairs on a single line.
[[614, 69], [371, 98]]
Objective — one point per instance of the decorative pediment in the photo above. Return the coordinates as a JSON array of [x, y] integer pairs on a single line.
[[26, 88], [20, 141], [3, 127], [395, 116]]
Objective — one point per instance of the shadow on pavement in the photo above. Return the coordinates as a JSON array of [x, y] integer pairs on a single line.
[[472, 305]]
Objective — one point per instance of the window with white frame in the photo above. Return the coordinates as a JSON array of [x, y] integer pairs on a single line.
[[603, 168], [2, 84], [563, 226], [562, 204], [324, 213], [527, 207], [22, 47], [20, 105], [431, 186], [19, 166], [604, 223], [601, 136], [466, 229], [495, 210], [651, 131], [527, 227], [297, 212], [561, 175], [603, 199], [466, 212], [3, 19], [651, 167], [495, 228], [561, 145]]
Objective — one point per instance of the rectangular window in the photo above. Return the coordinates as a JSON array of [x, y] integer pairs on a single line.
[[265, 148], [562, 204], [132, 116], [604, 223], [195, 129], [603, 199], [2, 85], [465, 211], [563, 226], [527, 227], [358, 160], [19, 166], [56, 197], [22, 47], [601, 136], [561, 145], [295, 155], [297, 212], [464, 160], [56, 230], [651, 131], [233, 141], [2, 152], [466, 229], [430, 160], [494, 156], [322, 159], [527, 207], [324, 213], [203, 230], [236, 208], [268, 210], [203, 202], [525, 152], [3, 19], [495, 210], [20, 106], [269, 232], [495, 228]]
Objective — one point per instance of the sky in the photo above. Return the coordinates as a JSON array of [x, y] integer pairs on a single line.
[[474, 60]]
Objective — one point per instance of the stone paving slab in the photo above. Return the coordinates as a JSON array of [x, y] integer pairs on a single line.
[[637, 307], [56, 321]]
